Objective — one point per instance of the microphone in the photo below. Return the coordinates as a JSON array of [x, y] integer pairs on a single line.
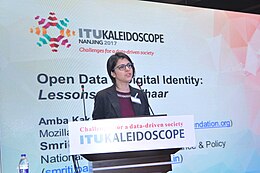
[[84, 106], [139, 84]]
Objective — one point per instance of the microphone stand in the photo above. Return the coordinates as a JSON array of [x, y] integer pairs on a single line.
[[75, 161], [84, 106]]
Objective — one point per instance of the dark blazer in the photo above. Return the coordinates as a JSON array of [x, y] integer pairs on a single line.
[[107, 104]]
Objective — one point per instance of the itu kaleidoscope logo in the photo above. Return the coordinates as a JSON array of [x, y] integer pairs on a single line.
[[52, 32]]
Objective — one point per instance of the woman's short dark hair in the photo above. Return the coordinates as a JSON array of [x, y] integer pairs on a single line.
[[111, 64]]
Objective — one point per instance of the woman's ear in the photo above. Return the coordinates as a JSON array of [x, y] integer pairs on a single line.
[[113, 74]]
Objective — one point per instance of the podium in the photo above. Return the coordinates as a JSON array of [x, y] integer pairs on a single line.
[[127, 145], [158, 161]]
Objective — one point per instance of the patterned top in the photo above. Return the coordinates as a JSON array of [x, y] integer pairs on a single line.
[[125, 103]]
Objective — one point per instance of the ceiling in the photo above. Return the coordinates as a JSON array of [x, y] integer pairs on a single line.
[[245, 6]]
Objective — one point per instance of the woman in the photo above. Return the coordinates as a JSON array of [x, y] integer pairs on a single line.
[[120, 100]]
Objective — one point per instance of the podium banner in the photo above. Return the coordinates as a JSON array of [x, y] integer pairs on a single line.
[[131, 134]]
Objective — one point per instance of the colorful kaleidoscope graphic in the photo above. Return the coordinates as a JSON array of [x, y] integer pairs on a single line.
[[53, 32]]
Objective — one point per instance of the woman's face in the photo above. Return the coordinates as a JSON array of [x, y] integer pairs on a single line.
[[123, 72]]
